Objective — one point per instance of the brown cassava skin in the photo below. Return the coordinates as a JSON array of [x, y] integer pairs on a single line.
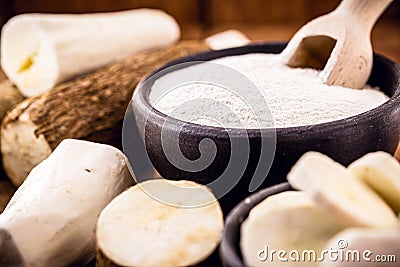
[[103, 261], [9, 97], [91, 107]]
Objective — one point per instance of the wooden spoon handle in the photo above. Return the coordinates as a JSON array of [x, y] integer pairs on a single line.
[[366, 12]]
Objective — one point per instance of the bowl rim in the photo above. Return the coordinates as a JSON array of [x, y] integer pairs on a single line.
[[142, 93], [228, 251]]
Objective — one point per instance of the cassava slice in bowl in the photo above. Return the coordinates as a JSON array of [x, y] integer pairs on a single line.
[[336, 189], [381, 172], [152, 224], [287, 221]]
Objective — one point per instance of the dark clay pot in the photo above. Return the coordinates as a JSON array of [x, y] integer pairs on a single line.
[[229, 250], [343, 140]]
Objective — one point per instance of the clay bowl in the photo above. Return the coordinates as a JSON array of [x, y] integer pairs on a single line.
[[229, 250], [343, 140]]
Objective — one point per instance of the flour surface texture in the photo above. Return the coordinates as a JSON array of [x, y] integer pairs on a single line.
[[295, 97]]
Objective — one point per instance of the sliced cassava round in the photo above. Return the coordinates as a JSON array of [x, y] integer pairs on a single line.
[[381, 172], [287, 221], [138, 228], [41, 50], [51, 219], [336, 189], [374, 247]]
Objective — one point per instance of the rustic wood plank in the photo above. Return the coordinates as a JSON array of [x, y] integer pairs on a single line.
[[206, 12], [185, 11], [182, 10], [274, 11], [385, 36], [267, 11], [386, 39]]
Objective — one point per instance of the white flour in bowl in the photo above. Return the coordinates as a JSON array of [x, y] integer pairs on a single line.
[[296, 97]]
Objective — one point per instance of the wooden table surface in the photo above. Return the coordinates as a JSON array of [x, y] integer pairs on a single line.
[[385, 37]]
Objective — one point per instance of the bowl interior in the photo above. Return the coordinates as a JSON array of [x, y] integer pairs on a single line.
[[229, 249], [385, 73]]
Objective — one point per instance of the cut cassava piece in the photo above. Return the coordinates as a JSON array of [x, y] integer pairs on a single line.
[[9, 97], [289, 221], [41, 50], [336, 189], [51, 219], [90, 107], [381, 172], [139, 229]]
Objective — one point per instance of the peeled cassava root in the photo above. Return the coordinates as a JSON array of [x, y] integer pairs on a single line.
[[90, 107], [41, 50], [50, 220], [150, 225]]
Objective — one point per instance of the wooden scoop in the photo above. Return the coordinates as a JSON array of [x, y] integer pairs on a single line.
[[338, 43]]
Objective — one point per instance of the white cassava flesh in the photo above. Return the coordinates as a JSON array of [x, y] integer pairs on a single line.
[[286, 221], [384, 243], [227, 39], [381, 172], [336, 189], [39, 51], [50, 220], [34, 149], [136, 229]]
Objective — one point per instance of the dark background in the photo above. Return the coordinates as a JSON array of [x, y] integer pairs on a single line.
[[259, 19]]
